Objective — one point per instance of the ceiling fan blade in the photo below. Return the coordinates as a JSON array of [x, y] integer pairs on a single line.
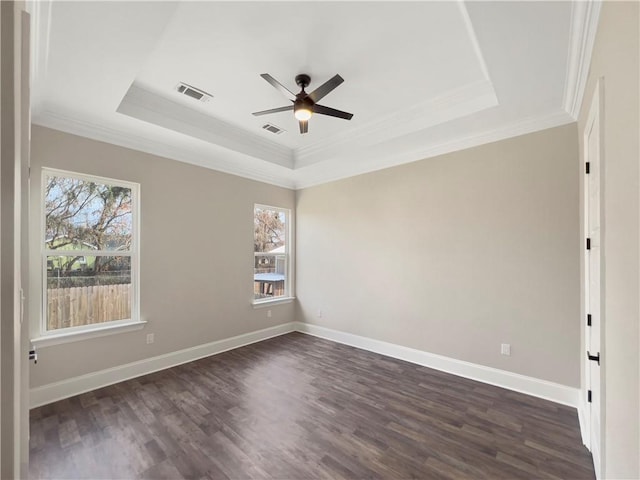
[[325, 88], [304, 126], [278, 86], [273, 110], [332, 112]]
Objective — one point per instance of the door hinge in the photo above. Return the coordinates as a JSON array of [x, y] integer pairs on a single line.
[[589, 396], [587, 168], [588, 319], [594, 358], [588, 244]]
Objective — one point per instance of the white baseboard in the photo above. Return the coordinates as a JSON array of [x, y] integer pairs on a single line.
[[520, 383], [74, 386], [493, 376]]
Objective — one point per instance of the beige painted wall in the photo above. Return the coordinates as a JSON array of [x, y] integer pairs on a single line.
[[615, 59], [196, 253], [453, 255]]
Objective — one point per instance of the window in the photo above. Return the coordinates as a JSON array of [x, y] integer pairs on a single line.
[[271, 253], [89, 252]]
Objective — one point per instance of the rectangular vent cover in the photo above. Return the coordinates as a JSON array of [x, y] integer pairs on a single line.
[[269, 127], [193, 92]]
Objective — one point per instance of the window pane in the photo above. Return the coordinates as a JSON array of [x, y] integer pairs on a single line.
[[269, 230], [81, 214], [270, 263], [85, 290], [269, 276]]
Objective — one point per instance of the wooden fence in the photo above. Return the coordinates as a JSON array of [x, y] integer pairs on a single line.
[[71, 307]]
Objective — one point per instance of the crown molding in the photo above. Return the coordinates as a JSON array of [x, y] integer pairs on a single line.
[[582, 35], [456, 103], [144, 104], [223, 160], [365, 162], [261, 171]]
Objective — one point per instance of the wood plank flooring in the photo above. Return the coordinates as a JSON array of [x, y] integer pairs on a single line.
[[298, 407]]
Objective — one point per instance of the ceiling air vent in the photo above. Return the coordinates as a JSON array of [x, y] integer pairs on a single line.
[[193, 92], [270, 127]]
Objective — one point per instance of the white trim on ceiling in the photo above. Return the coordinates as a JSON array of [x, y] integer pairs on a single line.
[[583, 30], [228, 162], [365, 162], [144, 104]]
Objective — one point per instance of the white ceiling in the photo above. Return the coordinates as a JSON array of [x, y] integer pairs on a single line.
[[421, 78]]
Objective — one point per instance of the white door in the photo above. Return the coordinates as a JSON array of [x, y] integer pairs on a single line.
[[593, 358]]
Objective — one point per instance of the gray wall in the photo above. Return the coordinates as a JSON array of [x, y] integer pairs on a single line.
[[196, 253], [616, 59], [454, 255]]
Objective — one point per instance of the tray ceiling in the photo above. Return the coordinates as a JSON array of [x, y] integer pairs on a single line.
[[420, 77]]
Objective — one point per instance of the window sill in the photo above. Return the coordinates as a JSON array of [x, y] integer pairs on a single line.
[[84, 333], [271, 303]]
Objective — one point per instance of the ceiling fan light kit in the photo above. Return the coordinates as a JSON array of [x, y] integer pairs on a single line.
[[302, 112], [305, 104]]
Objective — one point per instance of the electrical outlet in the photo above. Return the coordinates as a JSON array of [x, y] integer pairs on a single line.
[[268, 313], [150, 338], [319, 313], [505, 349]]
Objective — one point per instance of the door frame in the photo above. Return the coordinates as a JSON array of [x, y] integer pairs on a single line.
[[14, 330]]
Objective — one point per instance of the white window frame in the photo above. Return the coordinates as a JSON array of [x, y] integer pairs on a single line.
[[288, 242], [69, 334]]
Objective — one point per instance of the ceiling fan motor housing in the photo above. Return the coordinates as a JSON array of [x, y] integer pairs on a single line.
[[302, 102], [303, 80]]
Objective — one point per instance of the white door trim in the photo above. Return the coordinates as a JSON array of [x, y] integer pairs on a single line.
[[15, 124]]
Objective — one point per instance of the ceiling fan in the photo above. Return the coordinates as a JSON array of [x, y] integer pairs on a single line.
[[305, 104]]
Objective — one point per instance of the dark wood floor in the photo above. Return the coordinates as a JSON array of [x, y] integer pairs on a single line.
[[297, 407]]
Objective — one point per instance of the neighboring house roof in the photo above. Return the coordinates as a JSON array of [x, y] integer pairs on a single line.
[[279, 249]]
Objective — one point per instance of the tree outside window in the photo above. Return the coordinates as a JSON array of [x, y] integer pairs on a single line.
[[88, 250], [271, 256]]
